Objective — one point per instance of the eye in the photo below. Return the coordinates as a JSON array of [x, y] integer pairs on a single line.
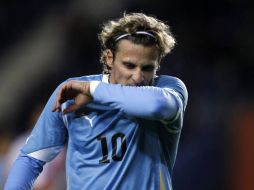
[[148, 68], [129, 65]]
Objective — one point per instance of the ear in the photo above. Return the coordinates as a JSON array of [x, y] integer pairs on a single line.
[[109, 58]]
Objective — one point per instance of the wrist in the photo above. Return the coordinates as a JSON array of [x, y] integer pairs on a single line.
[[85, 88]]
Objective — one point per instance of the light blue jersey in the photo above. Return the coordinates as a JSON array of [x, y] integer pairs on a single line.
[[126, 138]]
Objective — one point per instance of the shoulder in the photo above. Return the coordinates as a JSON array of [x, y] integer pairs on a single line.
[[87, 78]]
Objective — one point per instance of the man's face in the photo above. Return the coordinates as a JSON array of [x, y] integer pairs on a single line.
[[133, 64]]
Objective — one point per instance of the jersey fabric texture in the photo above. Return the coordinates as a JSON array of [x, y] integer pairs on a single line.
[[125, 138]]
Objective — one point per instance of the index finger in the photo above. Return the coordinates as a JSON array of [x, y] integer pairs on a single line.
[[59, 99]]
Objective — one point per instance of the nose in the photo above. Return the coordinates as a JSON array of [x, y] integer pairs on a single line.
[[138, 77]]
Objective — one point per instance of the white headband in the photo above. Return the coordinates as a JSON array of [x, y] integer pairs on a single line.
[[138, 32]]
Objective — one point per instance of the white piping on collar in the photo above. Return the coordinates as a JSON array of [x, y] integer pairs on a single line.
[[105, 78]]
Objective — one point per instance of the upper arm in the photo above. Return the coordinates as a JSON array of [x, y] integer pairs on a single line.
[[48, 135], [180, 93]]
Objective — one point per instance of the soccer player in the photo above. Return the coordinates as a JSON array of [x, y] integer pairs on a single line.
[[121, 127]]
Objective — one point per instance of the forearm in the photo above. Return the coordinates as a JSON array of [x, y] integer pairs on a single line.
[[23, 173], [145, 102]]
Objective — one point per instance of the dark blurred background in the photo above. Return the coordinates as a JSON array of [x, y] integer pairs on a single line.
[[44, 42]]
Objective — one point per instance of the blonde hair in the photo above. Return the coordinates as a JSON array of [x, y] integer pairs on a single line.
[[130, 24]]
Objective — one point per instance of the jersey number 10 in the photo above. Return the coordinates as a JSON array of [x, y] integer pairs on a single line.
[[114, 140]]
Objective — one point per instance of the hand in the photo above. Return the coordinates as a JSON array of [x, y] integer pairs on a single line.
[[79, 91]]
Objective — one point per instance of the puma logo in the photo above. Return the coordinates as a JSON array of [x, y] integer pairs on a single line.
[[90, 120]]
